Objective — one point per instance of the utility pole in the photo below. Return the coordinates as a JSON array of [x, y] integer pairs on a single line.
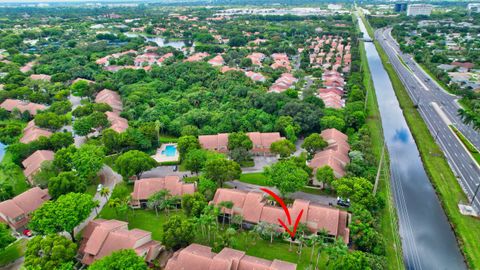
[[378, 170]]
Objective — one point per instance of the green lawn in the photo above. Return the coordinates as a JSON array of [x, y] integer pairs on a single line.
[[388, 216], [13, 252], [254, 178], [13, 174], [467, 229]]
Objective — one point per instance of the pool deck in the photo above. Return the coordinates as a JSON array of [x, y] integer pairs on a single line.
[[159, 157]]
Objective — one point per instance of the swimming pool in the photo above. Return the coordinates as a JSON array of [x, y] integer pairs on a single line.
[[170, 151]]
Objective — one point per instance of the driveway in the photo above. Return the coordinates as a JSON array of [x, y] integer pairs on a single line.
[[76, 101], [260, 163], [109, 179], [320, 199], [162, 171]]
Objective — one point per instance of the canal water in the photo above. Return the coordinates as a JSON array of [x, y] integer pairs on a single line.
[[427, 240], [2, 151]]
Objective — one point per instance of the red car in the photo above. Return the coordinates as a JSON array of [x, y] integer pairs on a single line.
[[27, 232]]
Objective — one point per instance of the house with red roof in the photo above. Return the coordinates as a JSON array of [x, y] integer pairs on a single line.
[[102, 237], [254, 208], [255, 76], [256, 58], [261, 142], [40, 77], [283, 83], [16, 212], [217, 61], [146, 187], [200, 257], [11, 104], [111, 98], [197, 57], [32, 133], [117, 123], [335, 155], [34, 162]]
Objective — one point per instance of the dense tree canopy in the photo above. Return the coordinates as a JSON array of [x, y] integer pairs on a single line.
[[64, 214], [49, 252], [119, 260], [134, 162], [286, 176]]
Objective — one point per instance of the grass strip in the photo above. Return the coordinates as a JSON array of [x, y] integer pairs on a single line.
[[12, 174], [13, 252], [470, 147], [466, 228]]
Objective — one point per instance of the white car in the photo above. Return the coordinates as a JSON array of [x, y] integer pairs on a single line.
[[99, 187]]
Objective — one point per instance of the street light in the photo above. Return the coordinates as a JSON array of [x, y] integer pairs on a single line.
[[475, 194]]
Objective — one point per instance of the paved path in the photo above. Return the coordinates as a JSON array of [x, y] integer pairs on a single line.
[[109, 179], [14, 265], [320, 199]]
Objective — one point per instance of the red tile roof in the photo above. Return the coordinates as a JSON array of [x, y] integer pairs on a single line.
[[335, 155], [253, 208], [111, 98], [146, 187], [15, 212], [32, 108], [34, 162], [200, 257], [102, 237], [217, 60], [261, 141], [41, 77], [32, 133], [119, 124]]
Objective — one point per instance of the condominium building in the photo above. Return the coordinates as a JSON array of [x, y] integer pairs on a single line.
[[419, 9]]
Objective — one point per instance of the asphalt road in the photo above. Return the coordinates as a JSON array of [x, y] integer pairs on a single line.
[[439, 110]]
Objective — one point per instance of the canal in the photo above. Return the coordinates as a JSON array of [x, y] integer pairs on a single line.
[[427, 239]]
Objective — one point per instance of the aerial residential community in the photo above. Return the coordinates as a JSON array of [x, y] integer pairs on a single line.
[[239, 135]]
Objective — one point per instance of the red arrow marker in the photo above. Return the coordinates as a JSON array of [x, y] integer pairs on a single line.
[[287, 213]]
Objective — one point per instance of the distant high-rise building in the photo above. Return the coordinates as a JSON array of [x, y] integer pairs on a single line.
[[473, 7], [399, 7], [419, 9]]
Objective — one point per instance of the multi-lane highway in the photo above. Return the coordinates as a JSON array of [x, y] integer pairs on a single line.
[[439, 110]]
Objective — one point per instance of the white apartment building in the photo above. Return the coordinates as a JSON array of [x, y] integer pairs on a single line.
[[419, 9]]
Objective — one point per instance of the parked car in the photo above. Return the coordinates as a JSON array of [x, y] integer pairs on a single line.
[[27, 233], [343, 202], [99, 187], [175, 168]]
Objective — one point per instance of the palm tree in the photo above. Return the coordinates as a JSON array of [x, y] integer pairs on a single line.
[[312, 242], [115, 203], [253, 237], [237, 220], [159, 200], [322, 234], [230, 233], [267, 229], [288, 237], [227, 205], [104, 192], [158, 128], [336, 250]]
